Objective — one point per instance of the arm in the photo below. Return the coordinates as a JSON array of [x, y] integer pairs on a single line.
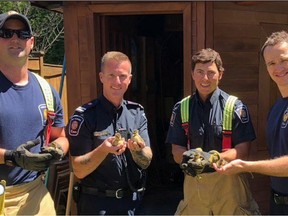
[[58, 136], [273, 167], [2, 151], [240, 151], [177, 152], [85, 164], [142, 154]]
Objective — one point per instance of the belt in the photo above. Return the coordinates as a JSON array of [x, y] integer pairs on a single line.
[[280, 199], [119, 193]]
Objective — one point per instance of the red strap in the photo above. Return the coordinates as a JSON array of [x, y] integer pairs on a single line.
[[50, 119], [226, 140], [185, 126]]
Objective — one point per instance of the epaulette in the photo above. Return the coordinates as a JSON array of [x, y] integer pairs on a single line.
[[87, 106], [131, 103]]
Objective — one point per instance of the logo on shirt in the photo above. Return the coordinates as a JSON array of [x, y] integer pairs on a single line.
[[43, 113], [242, 113], [75, 125], [285, 119]]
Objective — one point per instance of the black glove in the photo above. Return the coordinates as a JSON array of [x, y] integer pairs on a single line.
[[22, 157], [55, 150], [195, 161]]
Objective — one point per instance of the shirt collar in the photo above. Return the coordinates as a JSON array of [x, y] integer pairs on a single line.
[[109, 106], [213, 97]]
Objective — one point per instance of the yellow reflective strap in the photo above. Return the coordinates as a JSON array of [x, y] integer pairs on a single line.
[[47, 92], [228, 113], [2, 196], [184, 105]]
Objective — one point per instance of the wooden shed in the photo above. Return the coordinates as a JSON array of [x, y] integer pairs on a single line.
[[160, 37]]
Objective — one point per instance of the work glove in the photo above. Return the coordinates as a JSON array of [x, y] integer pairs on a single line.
[[55, 150], [196, 161], [22, 157]]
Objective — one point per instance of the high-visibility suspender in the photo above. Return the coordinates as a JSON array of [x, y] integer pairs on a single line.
[[185, 117], [49, 99], [227, 123], [227, 120]]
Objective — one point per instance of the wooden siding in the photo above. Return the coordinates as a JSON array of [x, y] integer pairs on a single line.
[[235, 29], [239, 32]]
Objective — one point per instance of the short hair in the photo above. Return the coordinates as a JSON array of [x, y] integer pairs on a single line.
[[273, 39], [207, 55], [116, 56]]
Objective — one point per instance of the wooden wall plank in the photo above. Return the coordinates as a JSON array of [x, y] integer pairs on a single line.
[[72, 57]]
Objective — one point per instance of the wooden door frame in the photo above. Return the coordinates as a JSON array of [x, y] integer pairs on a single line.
[[149, 8]]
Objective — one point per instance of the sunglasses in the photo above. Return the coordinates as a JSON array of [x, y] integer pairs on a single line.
[[8, 33]]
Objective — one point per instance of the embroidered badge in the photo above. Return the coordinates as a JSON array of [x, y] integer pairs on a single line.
[[43, 113], [101, 133], [242, 113], [285, 119], [75, 125]]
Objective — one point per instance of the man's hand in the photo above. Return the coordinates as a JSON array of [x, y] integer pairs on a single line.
[[22, 157], [231, 168], [55, 150]]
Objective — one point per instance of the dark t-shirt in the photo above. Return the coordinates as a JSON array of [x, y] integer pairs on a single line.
[[94, 122], [206, 123], [277, 136], [22, 119]]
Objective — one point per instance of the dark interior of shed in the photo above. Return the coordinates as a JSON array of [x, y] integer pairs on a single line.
[[155, 45]]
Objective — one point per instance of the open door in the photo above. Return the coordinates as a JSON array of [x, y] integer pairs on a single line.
[[152, 35]]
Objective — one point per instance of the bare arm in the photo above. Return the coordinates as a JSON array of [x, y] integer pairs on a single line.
[[142, 154], [241, 151], [273, 167], [2, 152], [58, 136], [177, 152], [85, 164]]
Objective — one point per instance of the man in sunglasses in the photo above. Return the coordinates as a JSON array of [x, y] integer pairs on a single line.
[[26, 148]]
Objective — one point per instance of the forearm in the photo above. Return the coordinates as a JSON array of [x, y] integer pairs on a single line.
[[2, 153], [177, 152], [63, 142], [273, 167], [85, 164], [241, 151], [142, 158], [58, 136]]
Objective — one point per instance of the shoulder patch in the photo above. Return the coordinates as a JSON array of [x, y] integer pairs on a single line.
[[75, 124], [242, 113], [285, 119]]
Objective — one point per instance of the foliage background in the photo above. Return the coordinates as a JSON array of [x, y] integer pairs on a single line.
[[47, 27]]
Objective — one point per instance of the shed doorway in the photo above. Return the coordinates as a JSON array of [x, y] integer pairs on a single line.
[[154, 44]]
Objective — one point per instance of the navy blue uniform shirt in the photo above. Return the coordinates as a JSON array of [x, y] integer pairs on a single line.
[[22, 118], [94, 122], [206, 123], [277, 136]]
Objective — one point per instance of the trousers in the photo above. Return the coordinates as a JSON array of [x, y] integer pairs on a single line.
[[216, 194], [30, 198]]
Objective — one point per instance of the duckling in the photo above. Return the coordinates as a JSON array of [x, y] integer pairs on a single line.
[[118, 140], [136, 137]]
